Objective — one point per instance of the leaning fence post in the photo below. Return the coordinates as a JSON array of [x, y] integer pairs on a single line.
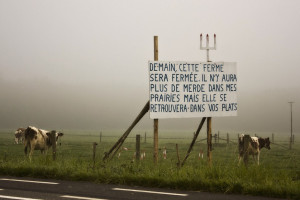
[[138, 149]]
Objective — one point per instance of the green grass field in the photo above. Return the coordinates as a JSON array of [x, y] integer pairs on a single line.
[[277, 176]]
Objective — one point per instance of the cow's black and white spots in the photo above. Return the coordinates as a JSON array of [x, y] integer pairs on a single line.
[[19, 135], [38, 139], [257, 143]]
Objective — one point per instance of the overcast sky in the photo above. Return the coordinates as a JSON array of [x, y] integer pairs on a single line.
[[83, 64]]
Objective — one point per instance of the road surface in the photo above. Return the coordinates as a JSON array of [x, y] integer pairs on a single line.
[[34, 189]]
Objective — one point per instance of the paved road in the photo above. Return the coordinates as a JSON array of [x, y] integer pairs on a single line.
[[31, 189]]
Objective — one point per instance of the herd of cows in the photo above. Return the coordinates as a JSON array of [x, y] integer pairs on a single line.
[[39, 139]]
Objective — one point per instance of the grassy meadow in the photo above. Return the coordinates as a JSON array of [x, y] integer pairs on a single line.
[[277, 176]]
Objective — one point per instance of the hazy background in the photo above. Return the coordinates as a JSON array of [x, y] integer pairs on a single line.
[[83, 64]]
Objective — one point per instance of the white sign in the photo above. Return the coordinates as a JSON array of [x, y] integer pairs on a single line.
[[192, 89]]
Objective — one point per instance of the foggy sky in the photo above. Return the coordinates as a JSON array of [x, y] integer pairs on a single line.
[[83, 64]]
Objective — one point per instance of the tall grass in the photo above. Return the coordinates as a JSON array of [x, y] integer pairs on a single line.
[[277, 176]]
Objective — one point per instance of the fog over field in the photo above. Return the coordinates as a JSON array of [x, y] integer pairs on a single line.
[[83, 64]]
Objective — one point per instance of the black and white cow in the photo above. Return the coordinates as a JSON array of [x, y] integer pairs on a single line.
[[38, 139], [256, 144], [19, 135]]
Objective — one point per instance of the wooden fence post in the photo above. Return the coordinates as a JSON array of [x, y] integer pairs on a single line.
[[100, 137], [247, 141], [94, 154], [178, 158], [138, 147], [227, 139], [272, 137], [218, 136], [155, 138], [209, 143], [53, 141], [145, 138], [293, 138]]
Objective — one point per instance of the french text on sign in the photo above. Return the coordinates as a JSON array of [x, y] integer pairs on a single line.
[[192, 89]]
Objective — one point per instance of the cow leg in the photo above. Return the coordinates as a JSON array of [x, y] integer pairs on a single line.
[[254, 157], [240, 158], [26, 147], [25, 150], [31, 150], [258, 158]]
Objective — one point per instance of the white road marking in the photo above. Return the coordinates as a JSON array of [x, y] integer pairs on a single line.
[[19, 198], [1, 189], [76, 197], [28, 181], [151, 192]]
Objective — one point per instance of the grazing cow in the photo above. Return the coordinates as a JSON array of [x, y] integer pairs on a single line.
[[256, 144], [38, 139], [19, 135]]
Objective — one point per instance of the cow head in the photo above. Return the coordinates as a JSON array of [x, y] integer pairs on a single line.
[[264, 142], [56, 135]]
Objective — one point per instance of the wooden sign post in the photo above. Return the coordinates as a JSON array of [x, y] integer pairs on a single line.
[[155, 155], [209, 119]]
